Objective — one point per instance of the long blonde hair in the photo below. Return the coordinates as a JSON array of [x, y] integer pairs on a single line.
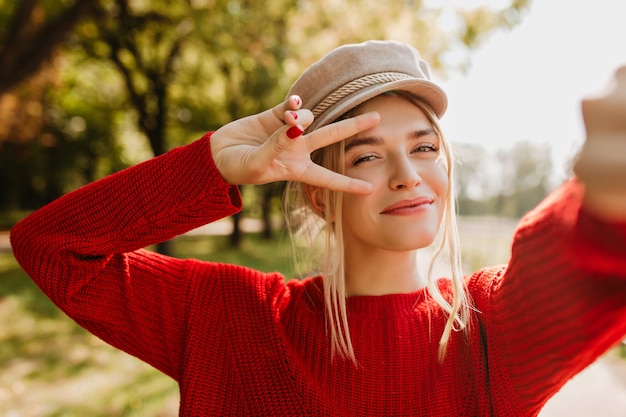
[[325, 228]]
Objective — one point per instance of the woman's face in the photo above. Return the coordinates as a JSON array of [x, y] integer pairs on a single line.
[[401, 158]]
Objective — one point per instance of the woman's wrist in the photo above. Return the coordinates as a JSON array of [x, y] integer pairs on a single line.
[[609, 205]]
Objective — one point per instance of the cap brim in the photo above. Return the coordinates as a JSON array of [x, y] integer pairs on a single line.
[[429, 92]]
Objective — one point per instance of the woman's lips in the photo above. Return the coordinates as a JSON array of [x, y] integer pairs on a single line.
[[408, 206]]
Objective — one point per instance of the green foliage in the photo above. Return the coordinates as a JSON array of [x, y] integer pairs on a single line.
[[255, 252], [7, 10], [31, 32], [84, 118], [75, 144], [478, 23], [136, 78]]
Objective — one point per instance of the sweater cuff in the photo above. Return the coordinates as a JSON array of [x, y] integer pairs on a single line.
[[233, 190]]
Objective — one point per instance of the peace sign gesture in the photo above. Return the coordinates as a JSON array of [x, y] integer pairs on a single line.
[[269, 147]]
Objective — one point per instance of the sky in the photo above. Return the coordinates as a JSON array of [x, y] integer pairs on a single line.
[[527, 83]]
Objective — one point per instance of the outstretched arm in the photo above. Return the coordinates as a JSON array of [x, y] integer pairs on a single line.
[[84, 249], [561, 301]]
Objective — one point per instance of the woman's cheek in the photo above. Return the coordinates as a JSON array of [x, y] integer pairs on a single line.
[[438, 176], [368, 174]]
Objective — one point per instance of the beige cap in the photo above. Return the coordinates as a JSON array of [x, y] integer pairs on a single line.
[[352, 74]]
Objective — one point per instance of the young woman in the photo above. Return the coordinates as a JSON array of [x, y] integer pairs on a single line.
[[368, 166]]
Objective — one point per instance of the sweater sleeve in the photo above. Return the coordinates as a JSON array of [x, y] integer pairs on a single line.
[[84, 250], [558, 305]]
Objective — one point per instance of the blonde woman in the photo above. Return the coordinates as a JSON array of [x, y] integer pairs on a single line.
[[371, 335]]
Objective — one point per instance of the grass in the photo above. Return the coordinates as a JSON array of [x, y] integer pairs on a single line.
[[255, 252], [52, 367]]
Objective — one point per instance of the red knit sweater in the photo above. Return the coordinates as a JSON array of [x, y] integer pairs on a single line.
[[242, 342]]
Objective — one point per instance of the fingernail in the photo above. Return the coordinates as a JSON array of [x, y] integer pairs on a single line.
[[294, 115], [294, 131], [296, 100]]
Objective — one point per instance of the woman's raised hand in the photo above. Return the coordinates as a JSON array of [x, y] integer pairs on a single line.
[[601, 164], [269, 147]]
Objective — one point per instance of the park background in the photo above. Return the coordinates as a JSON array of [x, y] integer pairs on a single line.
[[88, 87]]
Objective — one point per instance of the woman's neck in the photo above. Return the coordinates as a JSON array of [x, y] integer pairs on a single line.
[[382, 272]]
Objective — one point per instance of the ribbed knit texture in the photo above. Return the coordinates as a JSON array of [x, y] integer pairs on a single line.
[[243, 343]]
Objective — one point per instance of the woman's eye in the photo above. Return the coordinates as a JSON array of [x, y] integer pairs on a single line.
[[426, 147], [364, 158]]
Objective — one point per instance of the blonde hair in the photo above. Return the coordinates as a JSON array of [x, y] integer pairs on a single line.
[[304, 221]]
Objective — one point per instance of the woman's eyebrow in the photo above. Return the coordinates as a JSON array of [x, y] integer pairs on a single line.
[[375, 140], [370, 140], [417, 134]]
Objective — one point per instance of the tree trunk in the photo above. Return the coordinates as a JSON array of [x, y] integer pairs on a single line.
[[266, 208], [165, 248], [236, 236], [34, 47], [155, 129]]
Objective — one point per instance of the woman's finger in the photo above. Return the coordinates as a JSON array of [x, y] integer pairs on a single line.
[[336, 132], [319, 176], [272, 119], [291, 103], [283, 137], [291, 117], [294, 102]]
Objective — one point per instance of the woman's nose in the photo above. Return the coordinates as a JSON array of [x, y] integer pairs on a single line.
[[404, 174]]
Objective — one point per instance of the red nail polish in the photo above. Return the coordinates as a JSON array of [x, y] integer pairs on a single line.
[[294, 115], [296, 100], [294, 131]]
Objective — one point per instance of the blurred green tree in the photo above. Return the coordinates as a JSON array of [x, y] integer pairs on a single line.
[[474, 179], [38, 27], [166, 71], [508, 182], [525, 178], [41, 152]]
